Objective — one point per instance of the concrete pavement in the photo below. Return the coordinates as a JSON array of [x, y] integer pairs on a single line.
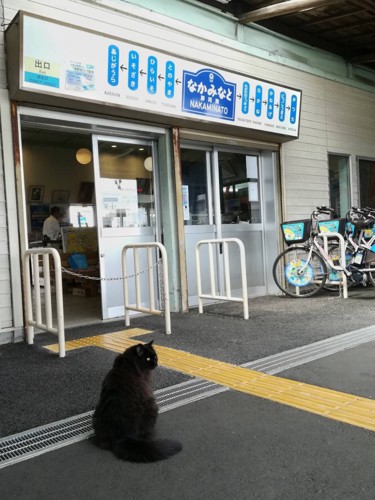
[[236, 445]]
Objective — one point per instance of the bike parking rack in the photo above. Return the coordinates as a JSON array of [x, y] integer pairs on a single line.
[[33, 255], [151, 282], [342, 259], [213, 296]]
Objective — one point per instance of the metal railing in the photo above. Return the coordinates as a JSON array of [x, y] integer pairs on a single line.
[[164, 288], [226, 269], [33, 254], [342, 260]]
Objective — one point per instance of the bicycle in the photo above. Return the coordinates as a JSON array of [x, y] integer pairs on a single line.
[[361, 242], [310, 263]]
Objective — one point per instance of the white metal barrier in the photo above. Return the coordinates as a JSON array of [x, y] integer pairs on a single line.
[[226, 268], [34, 254], [151, 282], [342, 259]]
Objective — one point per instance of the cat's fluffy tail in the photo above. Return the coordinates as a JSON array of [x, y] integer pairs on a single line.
[[134, 450]]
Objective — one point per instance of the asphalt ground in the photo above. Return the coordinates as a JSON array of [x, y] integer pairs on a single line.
[[236, 445]]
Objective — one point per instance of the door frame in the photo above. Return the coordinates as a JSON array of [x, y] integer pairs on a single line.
[[212, 151], [79, 123], [127, 232]]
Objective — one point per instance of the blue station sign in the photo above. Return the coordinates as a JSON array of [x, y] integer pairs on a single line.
[[207, 93], [67, 61]]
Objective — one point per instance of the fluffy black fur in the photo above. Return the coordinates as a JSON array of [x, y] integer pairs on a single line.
[[126, 414]]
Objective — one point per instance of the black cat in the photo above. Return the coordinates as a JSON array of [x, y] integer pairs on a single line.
[[126, 414]]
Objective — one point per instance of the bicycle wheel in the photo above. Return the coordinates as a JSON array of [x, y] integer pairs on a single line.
[[297, 276]]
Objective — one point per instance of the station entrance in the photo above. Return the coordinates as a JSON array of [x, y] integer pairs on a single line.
[[103, 177], [230, 193]]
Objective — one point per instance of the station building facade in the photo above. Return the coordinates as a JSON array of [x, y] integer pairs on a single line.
[[172, 124]]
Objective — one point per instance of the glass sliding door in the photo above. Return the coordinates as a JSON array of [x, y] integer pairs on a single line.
[[225, 193], [241, 215], [198, 210], [239, 188], [196, 187], [125, 211]]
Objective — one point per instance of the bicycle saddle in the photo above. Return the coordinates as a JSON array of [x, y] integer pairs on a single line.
[[361, 220]]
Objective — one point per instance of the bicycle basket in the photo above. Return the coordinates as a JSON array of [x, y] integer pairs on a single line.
[[350, 228], [332, 226], [296, 231]]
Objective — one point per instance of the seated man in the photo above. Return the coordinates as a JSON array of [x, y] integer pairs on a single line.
[[51, 226]]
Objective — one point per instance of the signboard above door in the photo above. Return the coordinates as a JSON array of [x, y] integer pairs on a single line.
[[69, 62]]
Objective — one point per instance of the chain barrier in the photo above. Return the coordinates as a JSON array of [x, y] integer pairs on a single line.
[[98, 278]]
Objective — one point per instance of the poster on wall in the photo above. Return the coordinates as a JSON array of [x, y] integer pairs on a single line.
[[38, 214], [79, 239], [120, 203], [185, 202], [69, 62]]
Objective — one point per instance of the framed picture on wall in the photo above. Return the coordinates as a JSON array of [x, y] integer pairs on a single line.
[[59, 196], [36, 193], [86, 191]]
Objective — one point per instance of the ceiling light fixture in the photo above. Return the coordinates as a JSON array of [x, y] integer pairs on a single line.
[[83, 156], [148, 163]]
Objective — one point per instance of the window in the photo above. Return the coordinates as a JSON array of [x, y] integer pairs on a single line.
[[339, 183], [125, 184], [367, 182], [82, 215], [195, 187], [240, 194]]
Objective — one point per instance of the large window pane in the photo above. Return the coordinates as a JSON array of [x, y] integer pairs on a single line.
[[367, 182], [239, 188], [339, 184], [126, 185], [194, 187]]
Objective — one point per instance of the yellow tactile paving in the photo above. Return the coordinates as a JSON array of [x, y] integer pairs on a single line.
[[108, 341], [328, 403]]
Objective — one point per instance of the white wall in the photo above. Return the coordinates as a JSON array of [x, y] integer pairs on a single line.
[[335, 119], [55, 168]]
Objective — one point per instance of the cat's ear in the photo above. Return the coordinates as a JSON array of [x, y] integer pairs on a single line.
[[151, 342], [140, 350]]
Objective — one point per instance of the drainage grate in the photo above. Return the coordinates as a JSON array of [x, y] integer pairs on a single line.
[[185, 393], [46, 438], [50, 437], [295, 357]]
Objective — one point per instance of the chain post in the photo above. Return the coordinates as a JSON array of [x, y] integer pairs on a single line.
[[161, 285]]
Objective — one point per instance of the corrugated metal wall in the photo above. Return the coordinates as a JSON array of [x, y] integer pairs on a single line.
[[6, 314]]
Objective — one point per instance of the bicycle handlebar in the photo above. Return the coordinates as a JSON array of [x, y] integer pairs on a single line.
[[322, 209], [361, 217]]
